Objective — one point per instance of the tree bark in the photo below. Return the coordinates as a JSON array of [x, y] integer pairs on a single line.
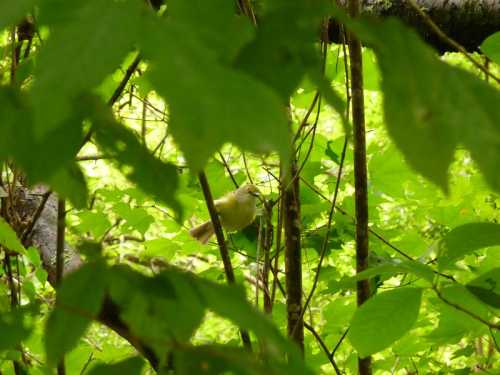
[[293, 257], [360, 171], [469, 22]]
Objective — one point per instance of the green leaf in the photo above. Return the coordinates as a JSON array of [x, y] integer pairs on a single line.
[[163, 247], [129, 366], [136, 218], [151, 306], [151, 174], [215, 24], [97, 223], [383, 319], [487, 287], [436, 103], [466, 239], [13, 330], [221, 359], [79, 300], [211, 104], [70, 183], [8, 238], [115, 27], [285, 38], [48, 159], [491, 47], [398, 266], [11, 13]]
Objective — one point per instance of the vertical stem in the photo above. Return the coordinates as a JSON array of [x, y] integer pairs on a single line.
[[267, 243], [143, 120], [360, 171], [226, 259], [293, 257], [61, 228]]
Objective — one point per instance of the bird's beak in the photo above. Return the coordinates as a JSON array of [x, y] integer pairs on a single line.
[[255, 193]]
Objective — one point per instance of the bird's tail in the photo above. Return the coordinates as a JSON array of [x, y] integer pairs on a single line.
[[203, 232]]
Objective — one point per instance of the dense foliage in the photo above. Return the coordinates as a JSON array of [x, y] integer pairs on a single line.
[[117, 106]]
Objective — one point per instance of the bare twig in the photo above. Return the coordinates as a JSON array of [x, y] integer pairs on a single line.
[[489, 324], [36, 216]]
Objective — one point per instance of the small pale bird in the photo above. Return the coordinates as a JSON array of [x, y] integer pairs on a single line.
[[236, 210]]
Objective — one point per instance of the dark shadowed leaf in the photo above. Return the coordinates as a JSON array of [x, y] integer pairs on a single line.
[[79, 300], [10, 13], [210, 103], [129, 366], [487, 287]]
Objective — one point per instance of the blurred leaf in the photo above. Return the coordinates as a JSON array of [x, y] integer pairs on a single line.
[[151, 306], [97, 223], [129, 366], [136, 218], [48, 159], [115, 26], [13, 329], [79, 300], [69, 182], [436, 102], [230, 106], [221, 359], [465, 239], [8, 238], [163, 247], [285, 38], [214, 24], [34, 256], [383, 319], [11, 13], [491, 47]]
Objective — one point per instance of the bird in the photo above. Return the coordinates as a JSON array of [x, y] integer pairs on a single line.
[[236, 209]]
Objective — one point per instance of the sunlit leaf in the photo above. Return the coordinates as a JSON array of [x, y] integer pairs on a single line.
[[491, 47], [466, 239], [383, 319], [8, 238]]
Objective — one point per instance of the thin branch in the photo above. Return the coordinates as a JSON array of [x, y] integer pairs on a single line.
[[92, 157], [491, 325], [36, 216], [228, 169], [226, 258], [323, 346], [61, 228], [332, 354], [324, 245], [118, 91]]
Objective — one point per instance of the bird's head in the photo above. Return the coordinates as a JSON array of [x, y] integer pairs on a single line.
[[248, 191]]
